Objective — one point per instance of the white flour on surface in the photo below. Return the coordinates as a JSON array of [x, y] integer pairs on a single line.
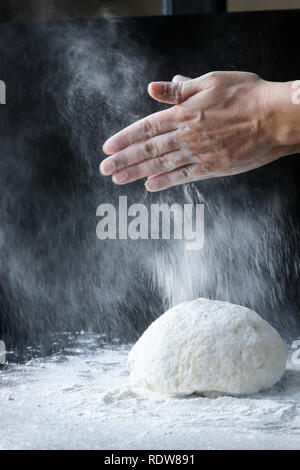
[[207, 346], [82, 399]]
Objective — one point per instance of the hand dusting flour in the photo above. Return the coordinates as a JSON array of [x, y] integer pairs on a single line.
[[206, 346]]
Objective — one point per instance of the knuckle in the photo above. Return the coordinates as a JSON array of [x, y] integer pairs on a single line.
[[199, 170], [147, 128], [166, 163], [120, 161], [213, 79], [185, 172], [213, 75], [179, 91], [135, 173], [176, 91], [150, 149], [173, 141]]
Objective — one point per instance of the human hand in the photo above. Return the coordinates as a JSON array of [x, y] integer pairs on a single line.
[[222, 123]]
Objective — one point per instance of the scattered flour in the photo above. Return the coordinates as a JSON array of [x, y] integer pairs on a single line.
[[83, 400], [119, 393]]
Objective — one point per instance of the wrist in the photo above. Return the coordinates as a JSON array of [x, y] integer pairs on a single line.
[[282, 105]]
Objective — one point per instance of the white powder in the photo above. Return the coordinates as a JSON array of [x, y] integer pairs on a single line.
[[83, 401]]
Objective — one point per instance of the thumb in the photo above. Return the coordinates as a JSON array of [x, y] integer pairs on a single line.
[[174, 92]]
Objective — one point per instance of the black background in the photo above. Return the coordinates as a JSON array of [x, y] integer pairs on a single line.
[[54, 273]]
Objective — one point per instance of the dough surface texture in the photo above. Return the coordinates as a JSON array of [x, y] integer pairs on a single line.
[[205, 346]]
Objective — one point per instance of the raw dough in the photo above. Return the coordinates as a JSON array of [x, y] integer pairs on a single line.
[[207, 346]]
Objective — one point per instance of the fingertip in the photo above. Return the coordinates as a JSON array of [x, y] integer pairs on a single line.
[[105, 148], [155, 89], [150, 88], [107, 167], [152, 185], [158, 88], [113, 178], [110, 146]]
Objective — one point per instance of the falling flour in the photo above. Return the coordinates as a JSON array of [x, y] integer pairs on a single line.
[[206, 346]]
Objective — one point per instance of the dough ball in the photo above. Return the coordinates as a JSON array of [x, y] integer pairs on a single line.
[[206, 346]]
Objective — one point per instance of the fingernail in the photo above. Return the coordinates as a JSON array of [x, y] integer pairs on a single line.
[[120, 177], [151, 185], [107, 167]]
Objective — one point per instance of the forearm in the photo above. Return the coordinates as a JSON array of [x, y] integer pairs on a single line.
[[283, 104]]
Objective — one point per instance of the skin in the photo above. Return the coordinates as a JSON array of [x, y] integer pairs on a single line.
[[220, 124]]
